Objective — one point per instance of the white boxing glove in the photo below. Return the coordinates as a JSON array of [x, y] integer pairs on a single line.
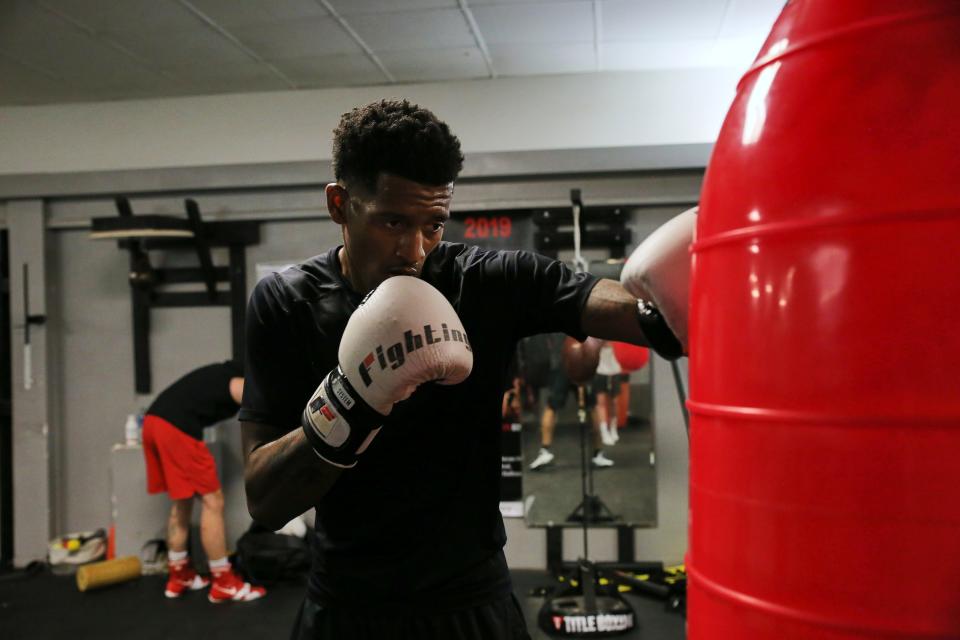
[[404, 334], [658, 272]]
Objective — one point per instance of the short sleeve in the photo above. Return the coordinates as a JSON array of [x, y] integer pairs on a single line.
[[275, 369], [546, 295]]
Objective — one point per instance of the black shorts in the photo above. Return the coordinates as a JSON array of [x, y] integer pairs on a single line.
[[561, 387], [608, 384], [498, 620]]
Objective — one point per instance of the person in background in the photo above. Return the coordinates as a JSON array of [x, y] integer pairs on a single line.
[[559, 388], [180, 464], [606, 386]]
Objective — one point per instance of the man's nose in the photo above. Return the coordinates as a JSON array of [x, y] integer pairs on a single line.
[[411, 247]]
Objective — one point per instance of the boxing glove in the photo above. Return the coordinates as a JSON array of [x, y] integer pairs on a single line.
[[402, 335], [658, 272]]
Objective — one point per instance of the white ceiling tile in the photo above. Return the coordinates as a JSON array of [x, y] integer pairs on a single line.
[[332, 71], [27, 95], [245, 13], [434, 65], [249, 76], [484, 3], [437, 29], [245, 85], [142, 92], [22, 85], [352, 7], [164, 49], [23, 26], [535, 23], [93, 73], [123, 15], [173, 52], [746, 17], [143, 86], [521, 60], [68, 47], [68, 52], [14, 13], [625, 20], [618, 56], [297, 39]]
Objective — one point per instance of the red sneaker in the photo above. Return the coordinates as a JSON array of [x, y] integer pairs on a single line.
[[183, 578], [229, 587]]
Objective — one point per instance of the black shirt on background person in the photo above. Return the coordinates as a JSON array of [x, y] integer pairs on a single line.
[[199, 399]]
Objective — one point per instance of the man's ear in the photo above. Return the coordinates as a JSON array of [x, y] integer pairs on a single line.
[[337, 202]]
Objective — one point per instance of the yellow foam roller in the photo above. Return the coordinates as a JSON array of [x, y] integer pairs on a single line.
[[102, 574]]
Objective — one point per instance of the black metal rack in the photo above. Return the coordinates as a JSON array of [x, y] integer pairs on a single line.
[[147, 283]]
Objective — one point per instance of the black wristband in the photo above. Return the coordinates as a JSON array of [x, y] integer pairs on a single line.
[[335, 407], [659, 336]]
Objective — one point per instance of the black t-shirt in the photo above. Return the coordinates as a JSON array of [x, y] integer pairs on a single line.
[[416, 523], [199, 399]]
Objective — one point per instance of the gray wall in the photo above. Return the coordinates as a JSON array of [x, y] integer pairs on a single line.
[[91, 325], [90, 338], [34, 432]]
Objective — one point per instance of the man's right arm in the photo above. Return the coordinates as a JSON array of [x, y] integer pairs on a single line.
[[282, 474]]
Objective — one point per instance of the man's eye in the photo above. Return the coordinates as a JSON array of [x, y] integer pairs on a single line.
[[436, 227], [393, 223]]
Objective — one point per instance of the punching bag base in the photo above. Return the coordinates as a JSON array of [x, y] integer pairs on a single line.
[[571, 616]]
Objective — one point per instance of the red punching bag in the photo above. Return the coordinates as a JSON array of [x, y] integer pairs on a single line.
[[825, 299]]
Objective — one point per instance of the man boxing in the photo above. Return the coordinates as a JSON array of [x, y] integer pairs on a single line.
[[385, 414]]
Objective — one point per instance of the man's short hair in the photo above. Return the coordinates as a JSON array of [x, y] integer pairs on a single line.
[[397, 137]]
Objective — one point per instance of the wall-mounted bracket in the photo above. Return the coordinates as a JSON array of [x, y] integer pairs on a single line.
[[601, 228], [140, 234]]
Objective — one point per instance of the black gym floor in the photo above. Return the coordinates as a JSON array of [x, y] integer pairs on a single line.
[[48, 606]]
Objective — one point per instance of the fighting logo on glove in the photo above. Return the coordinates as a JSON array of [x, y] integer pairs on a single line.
[[347, 409], [394, 357]]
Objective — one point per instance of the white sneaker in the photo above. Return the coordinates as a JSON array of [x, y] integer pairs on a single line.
[[601, 460], [543, 459], [606, 435], [614, 432]]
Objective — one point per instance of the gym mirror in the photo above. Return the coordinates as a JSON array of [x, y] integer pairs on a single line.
[[611, 451]]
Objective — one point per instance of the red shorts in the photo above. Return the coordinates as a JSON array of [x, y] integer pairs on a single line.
[[176, 463]]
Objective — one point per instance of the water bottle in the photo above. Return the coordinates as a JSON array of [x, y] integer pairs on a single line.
[[132, 430]]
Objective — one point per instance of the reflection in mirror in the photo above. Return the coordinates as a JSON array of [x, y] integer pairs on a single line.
[[615, 443]]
